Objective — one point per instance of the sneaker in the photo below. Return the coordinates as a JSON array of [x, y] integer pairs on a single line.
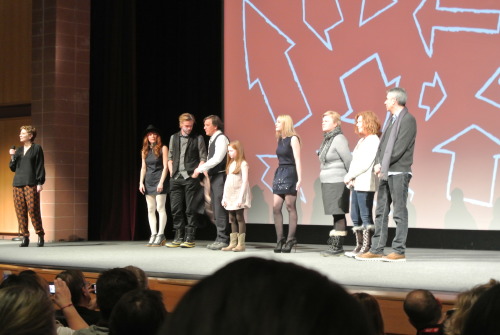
[[394, 257], [217, 245], [368, 256], [187, 244], [351, 254], [173, 244]]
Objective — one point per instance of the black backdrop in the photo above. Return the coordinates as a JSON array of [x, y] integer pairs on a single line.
[[150, 62]]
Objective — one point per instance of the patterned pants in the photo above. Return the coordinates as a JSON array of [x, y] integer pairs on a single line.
[[27, 200]]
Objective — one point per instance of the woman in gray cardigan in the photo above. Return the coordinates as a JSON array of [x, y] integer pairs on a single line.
[[335, 159]]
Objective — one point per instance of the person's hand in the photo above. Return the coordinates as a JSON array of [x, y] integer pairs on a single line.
[[39, 188], [376, 169], [298, 185], [12, 152], [196, 173], [159, 188], [224, 203], [141, 188], [62, 297]]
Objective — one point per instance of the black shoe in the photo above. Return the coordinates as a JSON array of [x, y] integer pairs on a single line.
[[25, 242], [289, 245], [178, 239], [279, 245], [41, 241]]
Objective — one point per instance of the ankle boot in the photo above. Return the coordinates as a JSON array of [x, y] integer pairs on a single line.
[[25, 242], [233, 237], [41, 240], [358, 233], [189, 241], [241, 243], [160, 240], [367, 239], [151, 240]]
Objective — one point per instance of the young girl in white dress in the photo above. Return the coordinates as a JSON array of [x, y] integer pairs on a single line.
[[237, 195]]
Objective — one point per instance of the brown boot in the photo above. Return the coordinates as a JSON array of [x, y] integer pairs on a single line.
[[358, 232], [233, 237], [241, 243], [367, 239]]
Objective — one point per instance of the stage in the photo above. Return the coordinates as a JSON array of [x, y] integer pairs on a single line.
[[438, 270]]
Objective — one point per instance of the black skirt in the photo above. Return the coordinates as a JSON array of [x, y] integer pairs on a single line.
[[285, 180]]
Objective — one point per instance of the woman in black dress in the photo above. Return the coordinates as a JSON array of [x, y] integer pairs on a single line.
[[153, 183], [286, 183], [28, 164]]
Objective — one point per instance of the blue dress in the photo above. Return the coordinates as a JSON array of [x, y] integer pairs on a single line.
[[285, 177], [154, 169]]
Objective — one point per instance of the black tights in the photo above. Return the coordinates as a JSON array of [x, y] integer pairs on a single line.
[[290, 200], [237, 221], [339, 222]]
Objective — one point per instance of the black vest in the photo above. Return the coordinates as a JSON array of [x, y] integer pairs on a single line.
[[221, 167], [191, 157]]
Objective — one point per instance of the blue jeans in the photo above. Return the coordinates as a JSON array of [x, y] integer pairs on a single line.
[[395, 191], [361, 208]]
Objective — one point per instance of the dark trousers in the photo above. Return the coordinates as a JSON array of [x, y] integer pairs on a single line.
[[27, 200], [185, 197], [220, 213], [393, 190], [361, 208]]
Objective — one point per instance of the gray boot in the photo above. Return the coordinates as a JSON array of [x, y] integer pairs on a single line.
[[336, 243]]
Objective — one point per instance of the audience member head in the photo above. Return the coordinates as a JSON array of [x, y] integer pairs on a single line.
[[77, 285], [26, 278], [138, 312], [372, 309], [422, 309], [465, 300], [111, 286], [259, 296], [141, 276], [484, 315], [26, 310]]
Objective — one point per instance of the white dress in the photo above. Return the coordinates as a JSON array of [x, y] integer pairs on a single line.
[[234, 190]]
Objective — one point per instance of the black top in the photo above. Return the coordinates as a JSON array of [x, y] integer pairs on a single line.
[[284, 151], [29, 167]]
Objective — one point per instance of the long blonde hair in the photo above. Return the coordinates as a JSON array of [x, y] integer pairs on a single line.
[[287, 129], [239, 158]]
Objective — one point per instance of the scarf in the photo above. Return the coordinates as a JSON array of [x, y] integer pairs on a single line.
[[386, 159], [327, 142]]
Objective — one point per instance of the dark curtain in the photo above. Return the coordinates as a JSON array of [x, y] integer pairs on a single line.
[[113, 119], [150, 62]]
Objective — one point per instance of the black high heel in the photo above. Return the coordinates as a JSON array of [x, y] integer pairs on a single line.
[[279, 245], [25, 242], [289, 245]]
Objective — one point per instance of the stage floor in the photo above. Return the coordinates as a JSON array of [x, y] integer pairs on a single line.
[[434, 269]]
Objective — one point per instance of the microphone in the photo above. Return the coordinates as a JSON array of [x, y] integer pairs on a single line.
[[12, 156]]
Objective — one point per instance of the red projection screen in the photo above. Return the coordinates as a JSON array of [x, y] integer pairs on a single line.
[[304, 57]]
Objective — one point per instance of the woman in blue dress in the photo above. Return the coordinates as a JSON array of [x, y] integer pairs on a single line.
[[286, 183], [153, 183]]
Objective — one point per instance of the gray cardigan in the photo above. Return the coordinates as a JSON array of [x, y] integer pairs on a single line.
[[338, 160]]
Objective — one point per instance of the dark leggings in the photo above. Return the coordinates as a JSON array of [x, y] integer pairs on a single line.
[[237, 221], [339, 222]]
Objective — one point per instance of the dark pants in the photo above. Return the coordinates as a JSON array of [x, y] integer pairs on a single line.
[[27, 200], [220, 213], [395, 191], [185, 197], [361, 208]]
